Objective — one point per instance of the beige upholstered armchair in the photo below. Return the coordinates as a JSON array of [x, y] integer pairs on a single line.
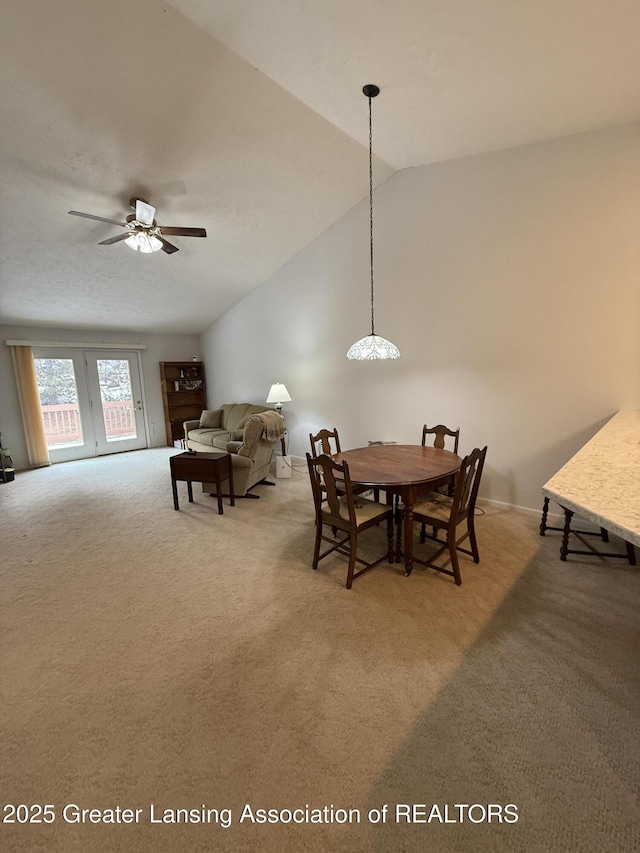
[[248, 432]]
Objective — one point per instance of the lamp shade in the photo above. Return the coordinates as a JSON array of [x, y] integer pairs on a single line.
[[278, 394], [372, 347]]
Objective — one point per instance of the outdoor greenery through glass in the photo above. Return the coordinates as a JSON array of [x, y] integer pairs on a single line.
[[59, 401], [115, 386], [60, 407]]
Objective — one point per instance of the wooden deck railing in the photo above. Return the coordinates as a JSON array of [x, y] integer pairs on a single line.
[[62, 423]]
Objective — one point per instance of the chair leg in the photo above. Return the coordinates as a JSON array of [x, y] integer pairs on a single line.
[[316, 550], [353, 542], [451, 541], [423, 533], [472, 539]]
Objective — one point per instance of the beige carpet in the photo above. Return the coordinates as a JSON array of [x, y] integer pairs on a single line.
[[181, 659]]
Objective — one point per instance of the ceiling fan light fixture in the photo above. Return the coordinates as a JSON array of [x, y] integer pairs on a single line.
[[143, 242], [143, 234]]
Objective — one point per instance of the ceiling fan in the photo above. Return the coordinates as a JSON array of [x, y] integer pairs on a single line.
[[142, 231]]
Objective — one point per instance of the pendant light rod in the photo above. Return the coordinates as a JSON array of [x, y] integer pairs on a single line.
[[371, 91], [372, 346]]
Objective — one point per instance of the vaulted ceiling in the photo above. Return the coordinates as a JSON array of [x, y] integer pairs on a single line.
[[247, 118]]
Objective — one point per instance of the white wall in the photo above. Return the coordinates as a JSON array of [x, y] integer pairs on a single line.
[[159, 348], [510, 282]]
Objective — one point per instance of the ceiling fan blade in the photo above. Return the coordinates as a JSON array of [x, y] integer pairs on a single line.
[[115, 239], [99, 218], [167, 247], [184, 232], [144, 212]]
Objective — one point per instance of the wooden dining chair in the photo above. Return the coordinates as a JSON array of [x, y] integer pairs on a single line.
[[346, 512], [328, 441], [443, 512], [440, 434]]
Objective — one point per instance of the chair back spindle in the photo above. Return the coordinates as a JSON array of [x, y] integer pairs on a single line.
[[321, 442], [468, 483], [330, 473], [329, 482]]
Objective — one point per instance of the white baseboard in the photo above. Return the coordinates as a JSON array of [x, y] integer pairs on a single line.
[[554, 519], [526, 509], [298, 462]]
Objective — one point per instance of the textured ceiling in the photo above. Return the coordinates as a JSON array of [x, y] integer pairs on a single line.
[[247, 118]]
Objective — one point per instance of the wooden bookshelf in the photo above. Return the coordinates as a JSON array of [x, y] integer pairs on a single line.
[[183, 395]]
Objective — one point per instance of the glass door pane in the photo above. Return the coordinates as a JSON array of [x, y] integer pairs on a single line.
[[64, 399], [116, 395], [115, 387], [59, 401], [92, 401]]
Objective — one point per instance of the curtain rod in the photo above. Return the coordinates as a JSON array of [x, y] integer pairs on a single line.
[[70, 344]]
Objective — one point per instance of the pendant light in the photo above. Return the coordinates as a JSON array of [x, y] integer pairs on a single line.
[[372, 346]]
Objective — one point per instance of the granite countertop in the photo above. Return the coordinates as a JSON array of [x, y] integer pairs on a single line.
[[601, 483]]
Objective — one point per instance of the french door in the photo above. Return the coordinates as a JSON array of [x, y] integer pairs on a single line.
[[91, 400]]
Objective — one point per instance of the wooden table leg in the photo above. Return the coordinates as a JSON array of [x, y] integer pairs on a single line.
[[232, 497], [543, 520], [631, 553], [219, 482], [408, 538], [568, 515], [190, 491], [174, 488], [397, 515]]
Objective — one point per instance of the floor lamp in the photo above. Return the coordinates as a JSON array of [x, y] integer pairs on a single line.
[[278, 395]]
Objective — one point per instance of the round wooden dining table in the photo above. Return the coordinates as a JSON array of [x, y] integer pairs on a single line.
[[406, 470]]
